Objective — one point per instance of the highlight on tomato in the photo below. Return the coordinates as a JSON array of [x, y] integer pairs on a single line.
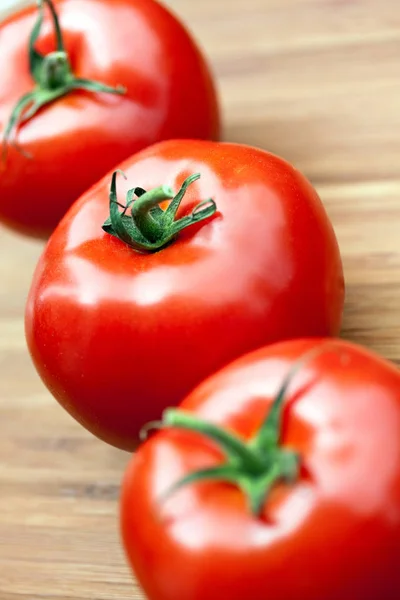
[[85, 84], [151, 283], [278, 477]]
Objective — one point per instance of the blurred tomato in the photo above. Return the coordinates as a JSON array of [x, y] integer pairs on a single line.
[[84, 129]]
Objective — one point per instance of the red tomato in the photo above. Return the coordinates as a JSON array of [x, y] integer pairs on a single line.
[[118, 335], [77, 138], [333, 533]]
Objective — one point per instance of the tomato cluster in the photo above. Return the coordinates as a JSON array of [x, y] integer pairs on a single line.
[[195, 287]]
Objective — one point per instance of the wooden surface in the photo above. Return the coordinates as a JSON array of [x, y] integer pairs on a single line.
[[316, 81]]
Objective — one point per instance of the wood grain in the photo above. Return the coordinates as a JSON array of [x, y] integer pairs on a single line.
[[316, 81]]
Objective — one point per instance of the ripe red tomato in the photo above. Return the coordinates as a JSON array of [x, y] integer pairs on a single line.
[[330, 532], [79, 135], [118, 335]]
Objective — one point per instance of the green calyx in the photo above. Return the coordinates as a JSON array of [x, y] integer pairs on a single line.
[[147, 227], [255, 466], [52, 75]]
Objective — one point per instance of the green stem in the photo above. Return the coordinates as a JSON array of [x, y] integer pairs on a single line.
[[254, 466], [52, 76], [232, 446], [55, 72], [56, 23], [149, 228], [270, 431], [141, 212]]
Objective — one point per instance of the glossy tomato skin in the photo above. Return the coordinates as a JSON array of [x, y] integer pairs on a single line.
[[334, 535], [77, 139], [117, 336]]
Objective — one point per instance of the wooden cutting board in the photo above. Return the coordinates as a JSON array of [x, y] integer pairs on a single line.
[[316, 81]]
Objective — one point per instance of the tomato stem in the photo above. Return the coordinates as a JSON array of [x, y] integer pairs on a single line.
[[55, 71], [141, 212], [254, 466], [149, 228], [232, 446], [52, 75]]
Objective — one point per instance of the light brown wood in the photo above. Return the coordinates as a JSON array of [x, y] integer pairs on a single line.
[[316, 81]]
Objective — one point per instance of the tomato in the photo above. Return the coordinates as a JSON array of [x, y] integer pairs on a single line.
[[273, 480], [118, 334], [124, 74]]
